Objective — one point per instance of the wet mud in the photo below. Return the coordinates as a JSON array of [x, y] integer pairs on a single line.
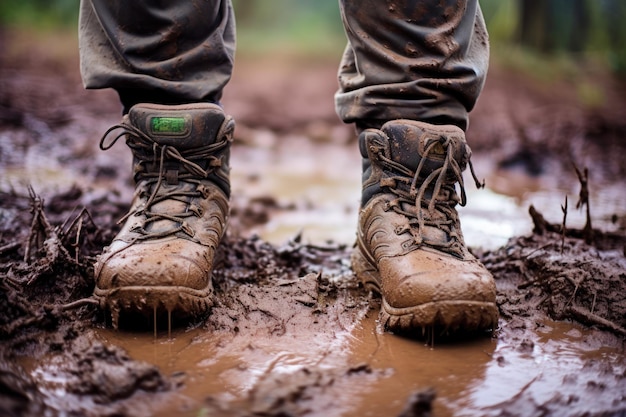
[[292, 332]]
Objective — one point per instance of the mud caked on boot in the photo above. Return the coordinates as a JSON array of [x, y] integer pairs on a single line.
[[410, 248], [162, 258]]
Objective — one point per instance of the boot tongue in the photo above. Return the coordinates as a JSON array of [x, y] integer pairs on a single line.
[[185, 126], [409, 140]]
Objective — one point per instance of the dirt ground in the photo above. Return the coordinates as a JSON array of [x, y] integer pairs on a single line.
[[276, 299]]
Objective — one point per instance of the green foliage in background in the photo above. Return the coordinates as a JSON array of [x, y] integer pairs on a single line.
[[39, 14], [579, 30], [307, 26]]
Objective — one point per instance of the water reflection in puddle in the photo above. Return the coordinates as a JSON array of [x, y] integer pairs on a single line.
[[551, 367], [320, 185], [322, 182], [472, 377], [227, 366]]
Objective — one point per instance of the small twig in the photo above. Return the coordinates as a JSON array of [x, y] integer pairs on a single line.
[[62, 228], [593, 303], [543, 300], [576, 287], [541, 225], [40, 228], [9, 247], [20, 323], [79, 218], [535, 250], [77, 242], [583, 200], [77, 222], [79, 303], [563, 227], [589, 318], [528, 283]]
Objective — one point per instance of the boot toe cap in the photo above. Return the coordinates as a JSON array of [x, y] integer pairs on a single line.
[[410, 281], [160, 264]]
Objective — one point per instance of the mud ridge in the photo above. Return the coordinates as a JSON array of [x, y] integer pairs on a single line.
[[563, 275]]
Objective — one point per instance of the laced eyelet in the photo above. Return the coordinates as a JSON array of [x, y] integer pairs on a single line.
[[137, 229], [204, 191], [197, 210], [187, 229]]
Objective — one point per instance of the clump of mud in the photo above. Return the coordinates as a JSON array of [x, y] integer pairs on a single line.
[[106, 373], [564, 274], [47, 253], [300, 393]]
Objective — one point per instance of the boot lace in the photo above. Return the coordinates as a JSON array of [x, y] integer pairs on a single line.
[[147, 151], [434, 200]]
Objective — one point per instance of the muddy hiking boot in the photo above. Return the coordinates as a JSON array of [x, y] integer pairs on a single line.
[[163, 256], [410, 248]]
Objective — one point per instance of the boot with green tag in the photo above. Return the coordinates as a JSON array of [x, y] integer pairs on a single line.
[[163, 257]]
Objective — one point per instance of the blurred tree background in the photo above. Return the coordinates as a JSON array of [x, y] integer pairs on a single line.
[[524, 32]]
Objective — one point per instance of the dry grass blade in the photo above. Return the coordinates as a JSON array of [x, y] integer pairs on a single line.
[[583, 200]]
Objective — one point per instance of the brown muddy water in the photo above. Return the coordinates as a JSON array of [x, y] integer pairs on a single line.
[[317, 188], [314, 188], [557, 367]]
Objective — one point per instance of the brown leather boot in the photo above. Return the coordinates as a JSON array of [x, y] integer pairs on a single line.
[[410, 247], [163, 256]]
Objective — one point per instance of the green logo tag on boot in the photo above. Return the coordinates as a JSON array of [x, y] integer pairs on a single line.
[[170, 125]]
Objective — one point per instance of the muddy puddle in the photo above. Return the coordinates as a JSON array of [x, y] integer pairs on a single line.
[[360, 371]]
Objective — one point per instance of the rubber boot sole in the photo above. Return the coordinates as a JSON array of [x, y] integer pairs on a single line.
[[181, 301]]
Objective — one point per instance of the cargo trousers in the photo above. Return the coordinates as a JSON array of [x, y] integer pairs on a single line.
[[421, 60]]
